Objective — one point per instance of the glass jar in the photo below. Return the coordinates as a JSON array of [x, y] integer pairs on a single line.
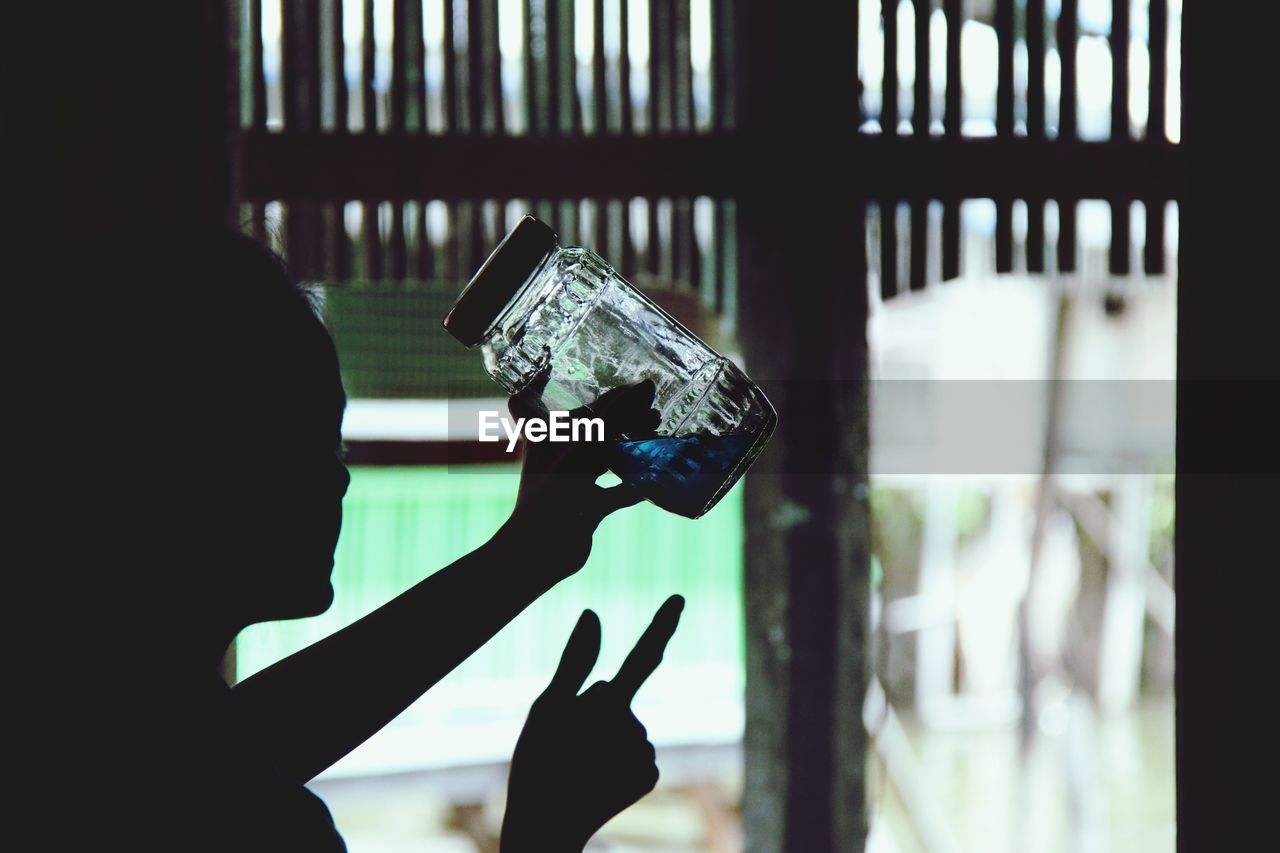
[[535, 303]]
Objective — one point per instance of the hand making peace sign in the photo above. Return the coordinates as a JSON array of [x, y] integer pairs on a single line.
[[583, 758]]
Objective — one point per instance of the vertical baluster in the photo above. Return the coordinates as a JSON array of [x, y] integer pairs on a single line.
[[859, 263], [666, 227], [661, 61], [952, 118], [398, 254], [920, 118], [1004, 68], [1035, 126], [493, 227], [416, 36], [493, 66], [452, 117], [1119, 43], [301, 92], [653, 259], [1066, 37], [601, 238], [311, 51], [855, 41], [290, 65], [555, 91], [533, 38], [310, 44], [627, 261], [919, 243], [340, 242], [1121, 237], [546, 211], [463, 247], [447, 261], [599, 93], [722, 44], [728, 306], [290, 84], [368, 67], [425, 250], [1158, 50], [952, 114], [1035, 69], [920, 110], [1153, 244], [569, 60], [696, 261], [371, 240], [399, 67], [889, 100], [478, 115], [682, 67], [888, 249], [624, 77], [257, 73], [684, 242], [477, 249], [655, 85], [566, 111], [1067, 34], [338, 60], [720, 253], [1004, 127]]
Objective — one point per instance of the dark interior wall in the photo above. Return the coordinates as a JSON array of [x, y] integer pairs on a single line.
[[119, 114], [1227, 488]]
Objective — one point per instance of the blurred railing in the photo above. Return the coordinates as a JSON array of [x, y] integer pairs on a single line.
[[397, 140]]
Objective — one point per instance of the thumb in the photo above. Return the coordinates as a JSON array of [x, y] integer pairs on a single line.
[[610, 500], [579, 657]]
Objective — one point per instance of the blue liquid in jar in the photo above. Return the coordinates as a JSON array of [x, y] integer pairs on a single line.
[[678, 473]]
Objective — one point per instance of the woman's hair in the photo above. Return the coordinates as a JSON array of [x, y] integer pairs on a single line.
[[174, 350], [186, 323]]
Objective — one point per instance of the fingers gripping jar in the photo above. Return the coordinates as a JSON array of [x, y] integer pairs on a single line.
[[535, 303]]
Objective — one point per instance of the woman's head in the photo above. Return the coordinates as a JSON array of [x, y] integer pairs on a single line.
[[216, 385]]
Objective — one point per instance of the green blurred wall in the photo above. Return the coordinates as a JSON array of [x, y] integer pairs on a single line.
[[402, 524]]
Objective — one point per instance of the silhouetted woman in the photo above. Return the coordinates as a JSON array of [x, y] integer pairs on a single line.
[[199, 409]]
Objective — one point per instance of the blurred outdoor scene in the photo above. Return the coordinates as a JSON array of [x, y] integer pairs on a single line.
[[1022, 612]]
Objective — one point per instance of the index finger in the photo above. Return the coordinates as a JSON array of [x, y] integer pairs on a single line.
[[647, 654]]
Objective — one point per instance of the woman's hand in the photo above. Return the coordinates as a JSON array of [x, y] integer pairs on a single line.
[[581, 759], [559, 505]]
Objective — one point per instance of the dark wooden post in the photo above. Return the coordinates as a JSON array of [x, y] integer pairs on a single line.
[[1228, 481], [803, 322]]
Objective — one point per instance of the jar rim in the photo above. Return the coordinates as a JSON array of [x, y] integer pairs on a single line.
[[500, 280]]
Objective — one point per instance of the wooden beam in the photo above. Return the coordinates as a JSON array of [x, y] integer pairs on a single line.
[[344, 166]]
